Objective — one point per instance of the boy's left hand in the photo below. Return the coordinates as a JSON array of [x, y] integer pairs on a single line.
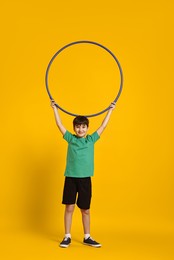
[[112, 106]]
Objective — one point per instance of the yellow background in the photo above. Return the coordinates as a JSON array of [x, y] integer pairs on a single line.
[[132, 206]]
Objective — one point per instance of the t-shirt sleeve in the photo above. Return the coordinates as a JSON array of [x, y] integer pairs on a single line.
[[68, 136], [95, 137]]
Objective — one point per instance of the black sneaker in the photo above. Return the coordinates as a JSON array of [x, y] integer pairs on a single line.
[[91, 242], [65, 242]]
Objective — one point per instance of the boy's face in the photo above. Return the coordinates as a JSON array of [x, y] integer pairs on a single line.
[[81, 130]]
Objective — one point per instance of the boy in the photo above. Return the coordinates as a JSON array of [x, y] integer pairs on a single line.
[[78, 172]]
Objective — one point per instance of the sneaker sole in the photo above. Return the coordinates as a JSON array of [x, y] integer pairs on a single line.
[[91, 245], [64, 246]]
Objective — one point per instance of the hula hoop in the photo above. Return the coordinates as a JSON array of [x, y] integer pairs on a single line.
[[81, 42]]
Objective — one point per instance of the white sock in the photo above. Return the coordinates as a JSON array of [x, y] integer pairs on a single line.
[[68, 235], [87, 235]]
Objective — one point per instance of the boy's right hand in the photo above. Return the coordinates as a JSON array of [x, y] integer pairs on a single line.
[[53, 104]]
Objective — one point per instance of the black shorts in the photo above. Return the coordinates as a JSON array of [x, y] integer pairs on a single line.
[[83, 187]]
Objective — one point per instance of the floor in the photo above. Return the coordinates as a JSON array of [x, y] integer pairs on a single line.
[[122, 244]]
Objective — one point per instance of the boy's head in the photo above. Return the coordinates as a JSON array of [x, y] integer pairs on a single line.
[[80, 120], [80, 125]]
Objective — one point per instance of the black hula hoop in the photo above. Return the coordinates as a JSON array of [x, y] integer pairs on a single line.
[[79, 42]]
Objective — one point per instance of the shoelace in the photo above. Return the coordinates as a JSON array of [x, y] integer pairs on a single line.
[[91, 238], [66, 238]]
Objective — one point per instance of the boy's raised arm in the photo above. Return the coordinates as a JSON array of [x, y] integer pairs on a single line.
[[106, 119], [57, 118]]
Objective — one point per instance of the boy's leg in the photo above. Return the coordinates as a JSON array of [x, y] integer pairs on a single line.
[[86, 220], [69, 209], [83, 202], [69, 199], [88, 240]]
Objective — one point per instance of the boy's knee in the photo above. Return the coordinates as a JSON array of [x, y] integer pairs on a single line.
[[85, 211], [69, 208]]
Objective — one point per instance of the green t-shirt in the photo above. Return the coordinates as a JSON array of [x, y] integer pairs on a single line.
[[80, 155]]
